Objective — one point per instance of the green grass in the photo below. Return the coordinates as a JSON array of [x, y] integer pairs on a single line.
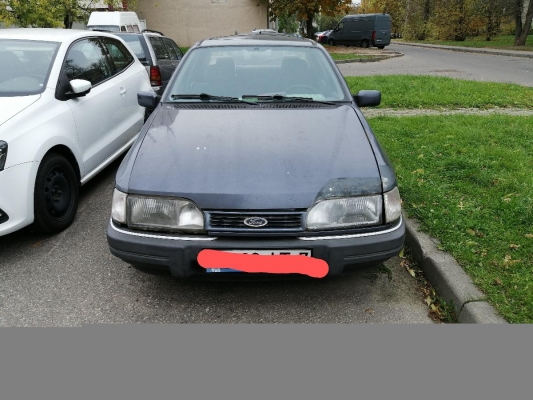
[[469, 180], [498, 42], [344, 56], [407, 91], [184, 49]]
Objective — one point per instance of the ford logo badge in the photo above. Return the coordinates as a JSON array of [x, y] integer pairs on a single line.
[[255, 222]]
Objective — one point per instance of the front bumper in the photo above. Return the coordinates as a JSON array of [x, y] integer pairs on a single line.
[[177, 255], [16, 196]]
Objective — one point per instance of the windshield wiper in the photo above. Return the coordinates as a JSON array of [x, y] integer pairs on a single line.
[[279, 97], [207, 97]]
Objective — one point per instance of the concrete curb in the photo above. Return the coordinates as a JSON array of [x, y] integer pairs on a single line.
[[448, 278], [370, 59], [508, 53]]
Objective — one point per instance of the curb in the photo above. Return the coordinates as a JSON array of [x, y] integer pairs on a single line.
[[448, 278], [508, 53], [370, 59]]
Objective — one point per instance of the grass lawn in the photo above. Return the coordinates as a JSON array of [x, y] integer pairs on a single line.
[[499, 42], [344, 56], [467, 179], [409, 91]]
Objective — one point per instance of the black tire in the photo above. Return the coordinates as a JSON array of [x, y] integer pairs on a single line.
[[381, 47], [331, 42], [56, 194], [365, 43]]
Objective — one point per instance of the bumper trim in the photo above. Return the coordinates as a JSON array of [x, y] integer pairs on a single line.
[[152, 236], [210, 239]]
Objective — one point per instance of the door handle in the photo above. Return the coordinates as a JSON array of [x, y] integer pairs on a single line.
[[122, 92]]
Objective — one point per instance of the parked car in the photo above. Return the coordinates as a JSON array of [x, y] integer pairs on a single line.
[[256, 148], [365, 30], [323, 37], [159, 54], [68, 108]]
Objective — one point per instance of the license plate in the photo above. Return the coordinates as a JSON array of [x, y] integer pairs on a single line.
[[306, 253]]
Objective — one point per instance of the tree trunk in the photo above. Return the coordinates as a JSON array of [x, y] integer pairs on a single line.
[[522, 30], [309, 25]]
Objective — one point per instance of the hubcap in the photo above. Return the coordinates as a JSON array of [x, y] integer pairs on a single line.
[[57, 193]]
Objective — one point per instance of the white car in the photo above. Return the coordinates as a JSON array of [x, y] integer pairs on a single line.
[[68, 108]]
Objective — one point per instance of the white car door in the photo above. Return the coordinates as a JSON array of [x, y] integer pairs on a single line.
[[100, 114]]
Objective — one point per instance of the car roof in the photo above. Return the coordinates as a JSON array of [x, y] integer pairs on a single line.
[[259, 39], [49, 34]]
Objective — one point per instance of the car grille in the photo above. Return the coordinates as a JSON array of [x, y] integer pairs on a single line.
[[234, 221]]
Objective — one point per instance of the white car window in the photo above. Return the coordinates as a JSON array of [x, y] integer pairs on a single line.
[[86, 60]]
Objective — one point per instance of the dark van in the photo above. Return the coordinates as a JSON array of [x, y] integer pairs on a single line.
[[365, 30]]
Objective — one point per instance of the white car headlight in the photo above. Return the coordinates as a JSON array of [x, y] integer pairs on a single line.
[[393, 205], [156, 213], [348, 212], [163, 214]]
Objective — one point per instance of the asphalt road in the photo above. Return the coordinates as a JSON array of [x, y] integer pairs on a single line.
[[427, 61], [71, 279]]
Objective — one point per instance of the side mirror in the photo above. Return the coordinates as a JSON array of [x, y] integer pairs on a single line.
[[367, 98], [80, 87], [148, 99]]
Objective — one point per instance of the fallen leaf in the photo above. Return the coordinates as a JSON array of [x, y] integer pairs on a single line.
[[529, 235], [498, 282], [514, 246], [471, 232], [401, 254], [411, 271]]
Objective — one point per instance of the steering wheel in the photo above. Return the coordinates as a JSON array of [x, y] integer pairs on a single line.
[[305, 87]]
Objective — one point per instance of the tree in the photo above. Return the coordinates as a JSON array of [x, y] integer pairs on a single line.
[[50, 13], [523, 13], [306, 9]]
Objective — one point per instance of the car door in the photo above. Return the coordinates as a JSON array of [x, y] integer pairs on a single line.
[[167, 58], [129, 77], [97, 114]]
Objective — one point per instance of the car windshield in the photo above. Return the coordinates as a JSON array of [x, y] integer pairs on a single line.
[[111, 28], [25, 66], [260, 73]]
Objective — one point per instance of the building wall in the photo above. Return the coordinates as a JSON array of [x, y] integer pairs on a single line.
[[188, 21]]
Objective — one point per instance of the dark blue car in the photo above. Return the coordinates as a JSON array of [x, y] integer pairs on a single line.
[[256, 161]]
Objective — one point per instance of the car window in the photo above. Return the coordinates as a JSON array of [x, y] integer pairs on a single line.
[[160, 50], [123, 28], [25, 66], [86, 60], [136, 28], [120, 56], [134, 42], [265, 70], [173, 49], [129, 28]]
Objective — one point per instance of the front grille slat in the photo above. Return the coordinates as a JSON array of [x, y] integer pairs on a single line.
[[234, 221]]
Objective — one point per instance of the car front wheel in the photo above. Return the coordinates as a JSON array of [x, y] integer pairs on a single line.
[[331, 42], [56, 194], [365, 43]]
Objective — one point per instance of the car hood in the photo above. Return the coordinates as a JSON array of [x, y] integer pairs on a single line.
[[254, 158], [11, 106]]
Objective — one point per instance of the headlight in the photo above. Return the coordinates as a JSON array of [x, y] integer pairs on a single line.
[[3, 154], [156, 213], [342, 213], [118, 208], [393, 205], [163, 214]]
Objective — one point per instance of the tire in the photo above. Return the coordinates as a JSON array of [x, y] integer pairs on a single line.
[[365, 43], [56, 194], [331, 42], [381, 47]]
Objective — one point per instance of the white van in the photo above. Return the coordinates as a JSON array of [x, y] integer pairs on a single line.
[[115, 21]]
